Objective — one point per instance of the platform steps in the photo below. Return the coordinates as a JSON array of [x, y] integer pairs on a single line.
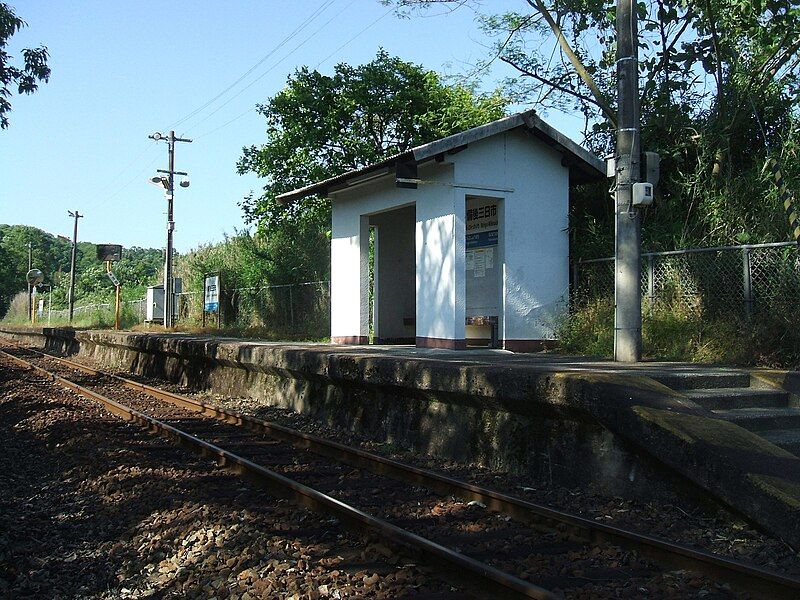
[[768, 412]]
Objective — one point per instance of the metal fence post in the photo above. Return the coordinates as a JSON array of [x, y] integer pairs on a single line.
[[291, 308], [748, 285], [651, 282]]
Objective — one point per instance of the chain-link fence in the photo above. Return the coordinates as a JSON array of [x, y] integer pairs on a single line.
[[738, 281], [136, 307], [298, 307]]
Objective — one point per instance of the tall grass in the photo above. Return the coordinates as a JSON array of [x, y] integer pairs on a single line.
[[671, 332], [98, 318]]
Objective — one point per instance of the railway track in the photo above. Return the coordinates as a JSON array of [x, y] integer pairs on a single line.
[[503, 549]]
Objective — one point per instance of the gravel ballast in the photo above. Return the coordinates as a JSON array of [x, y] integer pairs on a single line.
[[93, 507], [705, 526]]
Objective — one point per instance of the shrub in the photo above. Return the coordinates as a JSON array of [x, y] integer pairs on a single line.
[[680, 333]]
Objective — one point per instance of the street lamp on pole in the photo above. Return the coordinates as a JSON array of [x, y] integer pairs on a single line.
[[168, 183]]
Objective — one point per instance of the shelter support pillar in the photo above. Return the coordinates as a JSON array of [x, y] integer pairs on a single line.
[[440, 281], [350, 279]]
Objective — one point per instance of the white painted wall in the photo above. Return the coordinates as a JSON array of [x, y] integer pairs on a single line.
[[533, 186], [440, 266], [350, 251], [349, 273], [534, 235]]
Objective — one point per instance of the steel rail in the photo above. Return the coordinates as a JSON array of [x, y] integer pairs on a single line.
[[756, 580], [459, 565]]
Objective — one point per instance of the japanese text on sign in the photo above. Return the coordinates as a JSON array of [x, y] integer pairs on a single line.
[[211, 299]]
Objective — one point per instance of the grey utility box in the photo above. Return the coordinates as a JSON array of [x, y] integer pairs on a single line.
[[155, 304]]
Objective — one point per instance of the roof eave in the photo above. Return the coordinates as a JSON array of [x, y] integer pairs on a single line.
[[345, 180], [583, 165]]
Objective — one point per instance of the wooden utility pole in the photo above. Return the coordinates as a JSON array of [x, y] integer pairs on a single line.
[[627, 263], [75, 215]]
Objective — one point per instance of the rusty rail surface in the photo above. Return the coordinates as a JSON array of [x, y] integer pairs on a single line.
[[747, 577], [457, 565]]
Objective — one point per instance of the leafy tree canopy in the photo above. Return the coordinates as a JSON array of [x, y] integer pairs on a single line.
[[138, 268], [321, 125], [719, 82], [25, 78]]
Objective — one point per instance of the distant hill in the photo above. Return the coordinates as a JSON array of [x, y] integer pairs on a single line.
[[138, 268]]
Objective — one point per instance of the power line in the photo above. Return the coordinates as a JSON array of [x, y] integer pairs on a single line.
[[251, 109], [119, 190], [265, 73], [133, 161], [370, 26], [322, 8], [236, 118]]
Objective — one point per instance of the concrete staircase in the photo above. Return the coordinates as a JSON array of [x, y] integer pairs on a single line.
[[767, 412]]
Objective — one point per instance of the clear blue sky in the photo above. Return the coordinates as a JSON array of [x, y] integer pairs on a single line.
[[123, 70]]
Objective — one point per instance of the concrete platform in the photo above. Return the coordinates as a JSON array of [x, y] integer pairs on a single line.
[[576, 420]]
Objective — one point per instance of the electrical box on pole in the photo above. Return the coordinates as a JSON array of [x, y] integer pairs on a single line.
[[642, 194]]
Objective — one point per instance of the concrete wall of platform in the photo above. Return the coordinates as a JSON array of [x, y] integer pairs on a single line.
[[622, 432], [431, 409]]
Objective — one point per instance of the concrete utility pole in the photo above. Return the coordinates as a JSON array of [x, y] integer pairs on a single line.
[[169, 297], [30, 287], [75, 215], [627, 263]]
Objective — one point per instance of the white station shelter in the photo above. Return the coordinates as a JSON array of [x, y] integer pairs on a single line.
[[470, 237]]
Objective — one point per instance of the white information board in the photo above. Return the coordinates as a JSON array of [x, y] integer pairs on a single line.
[[211, 294], [482, 256]]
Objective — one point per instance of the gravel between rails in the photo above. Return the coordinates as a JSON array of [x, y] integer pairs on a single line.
[[577, 570], [681, 520], [93, 507], [601, 572]]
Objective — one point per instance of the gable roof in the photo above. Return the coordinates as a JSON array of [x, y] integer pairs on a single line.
[[583, 165]]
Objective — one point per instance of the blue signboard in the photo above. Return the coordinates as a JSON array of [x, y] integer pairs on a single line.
[[211, 300], [482, 239]]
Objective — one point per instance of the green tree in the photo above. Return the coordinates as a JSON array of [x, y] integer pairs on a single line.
[[138, 268], [25, 78], [719, 82], [322, 125], [6, 277]]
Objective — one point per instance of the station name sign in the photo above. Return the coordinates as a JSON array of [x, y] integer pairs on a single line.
[[482, 225], [211, 294]]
